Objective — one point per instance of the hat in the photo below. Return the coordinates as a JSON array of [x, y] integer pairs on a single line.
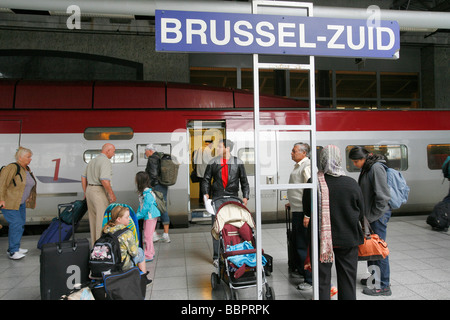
[[150, 147]]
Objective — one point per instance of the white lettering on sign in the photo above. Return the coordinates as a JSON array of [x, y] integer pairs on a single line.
[[242, 33]]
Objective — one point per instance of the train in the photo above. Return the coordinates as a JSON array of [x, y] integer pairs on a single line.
[[65, 124]]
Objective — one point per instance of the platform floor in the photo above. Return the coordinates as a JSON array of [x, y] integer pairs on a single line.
[[181, 270]]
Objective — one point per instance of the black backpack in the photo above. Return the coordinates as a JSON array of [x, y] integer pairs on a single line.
[[439, 217], [446, 168], [17, 172], [105, 254]]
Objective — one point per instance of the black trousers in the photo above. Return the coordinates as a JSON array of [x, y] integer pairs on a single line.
[[346, 262]]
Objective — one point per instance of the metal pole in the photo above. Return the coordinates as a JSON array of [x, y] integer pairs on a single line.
[[257, 178], [314, 219], [311, 128]]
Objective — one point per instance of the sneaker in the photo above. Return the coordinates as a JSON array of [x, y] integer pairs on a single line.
[[296, 274], [378, 292], [147, 280], [16, 255], [165, 238], [22, 251], [216, 263], [304, 286], [156, 237]]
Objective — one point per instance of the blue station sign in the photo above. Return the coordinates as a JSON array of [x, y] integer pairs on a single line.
[[189, 31]]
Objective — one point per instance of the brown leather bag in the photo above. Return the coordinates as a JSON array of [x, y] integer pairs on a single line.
[[373, 248]]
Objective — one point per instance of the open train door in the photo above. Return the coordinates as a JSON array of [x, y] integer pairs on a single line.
[[200, 151]]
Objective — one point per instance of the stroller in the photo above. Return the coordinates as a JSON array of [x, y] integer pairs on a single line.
[[234, 228]]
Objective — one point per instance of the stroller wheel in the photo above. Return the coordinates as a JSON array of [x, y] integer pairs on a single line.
[[215, 280], [269, 294]]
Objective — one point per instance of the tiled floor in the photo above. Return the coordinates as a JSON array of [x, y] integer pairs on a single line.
[[181, 270]]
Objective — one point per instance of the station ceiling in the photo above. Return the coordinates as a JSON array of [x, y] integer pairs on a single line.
[[32, 15]]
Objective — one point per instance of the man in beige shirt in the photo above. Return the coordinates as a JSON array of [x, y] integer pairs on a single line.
[[96, 183], [300, 174]]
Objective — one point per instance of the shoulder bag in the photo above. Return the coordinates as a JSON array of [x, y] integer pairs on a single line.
[[373, 248]]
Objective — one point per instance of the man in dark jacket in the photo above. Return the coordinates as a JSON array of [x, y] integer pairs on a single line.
[[225, 182], [226, 172]]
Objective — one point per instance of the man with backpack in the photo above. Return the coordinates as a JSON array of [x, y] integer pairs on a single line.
[[439, 218], [154, 171]]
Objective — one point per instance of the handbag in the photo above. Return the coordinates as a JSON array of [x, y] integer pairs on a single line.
[[124, 285], [194, 177], [373, 248], [160, 203]]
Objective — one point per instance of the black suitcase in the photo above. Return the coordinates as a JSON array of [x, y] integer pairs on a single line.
[[63, 265], [292, 254]]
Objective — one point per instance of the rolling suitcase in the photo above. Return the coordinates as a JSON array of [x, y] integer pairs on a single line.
[[63, 265], [66, 223], [56, 230]]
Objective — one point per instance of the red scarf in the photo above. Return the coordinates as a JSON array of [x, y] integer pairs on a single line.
[[223, 163]]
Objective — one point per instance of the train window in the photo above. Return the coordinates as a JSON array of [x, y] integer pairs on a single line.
[[247, 155], [121, 156], [396, 156], [436, 155], [108, 133]]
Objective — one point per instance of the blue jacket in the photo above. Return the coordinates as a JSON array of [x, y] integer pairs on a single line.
[[147, 206]]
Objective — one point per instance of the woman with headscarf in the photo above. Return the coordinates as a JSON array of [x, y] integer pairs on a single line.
[[376, 193], [341, 208]]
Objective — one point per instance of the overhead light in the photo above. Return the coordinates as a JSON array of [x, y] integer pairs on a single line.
[[411, 29], [94, 15]]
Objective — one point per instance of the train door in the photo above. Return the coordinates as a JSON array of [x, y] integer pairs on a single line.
[[200, 150], [241, 132]]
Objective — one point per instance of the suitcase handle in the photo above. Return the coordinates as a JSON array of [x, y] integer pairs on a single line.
[[74, 244], [288, 218]]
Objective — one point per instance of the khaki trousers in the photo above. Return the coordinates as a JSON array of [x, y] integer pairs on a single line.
[[97, 202]]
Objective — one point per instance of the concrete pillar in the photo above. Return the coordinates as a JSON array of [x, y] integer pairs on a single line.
[[435, 77]]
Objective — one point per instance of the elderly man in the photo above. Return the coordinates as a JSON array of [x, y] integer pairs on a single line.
[[300, 174], [96, 183]]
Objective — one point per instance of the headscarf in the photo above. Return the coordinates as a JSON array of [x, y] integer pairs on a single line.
[[325, 236], [331, 161]]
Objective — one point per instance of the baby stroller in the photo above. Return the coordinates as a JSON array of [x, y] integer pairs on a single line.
[[234, 228]]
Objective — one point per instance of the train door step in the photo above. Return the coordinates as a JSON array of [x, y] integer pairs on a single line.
[[200, 215]]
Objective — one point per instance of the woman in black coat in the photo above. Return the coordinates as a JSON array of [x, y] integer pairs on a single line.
[[341, 208]]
